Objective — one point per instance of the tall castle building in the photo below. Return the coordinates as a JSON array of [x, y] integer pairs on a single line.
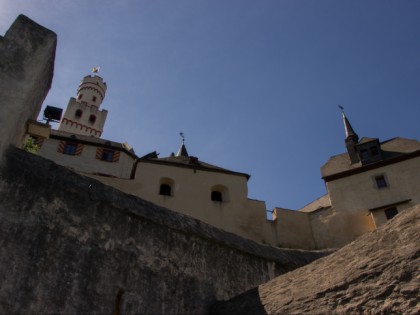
[[366, 186], [83, 116]]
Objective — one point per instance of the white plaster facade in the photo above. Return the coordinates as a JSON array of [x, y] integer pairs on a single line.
[[82, 115]]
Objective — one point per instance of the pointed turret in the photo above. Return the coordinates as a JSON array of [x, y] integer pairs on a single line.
[[182, 149], [351, 139]]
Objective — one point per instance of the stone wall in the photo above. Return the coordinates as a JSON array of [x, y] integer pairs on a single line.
[[70, 244], [378, 273], [27, 53]]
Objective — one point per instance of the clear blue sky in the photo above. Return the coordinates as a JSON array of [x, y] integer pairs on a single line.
[[254, 85]]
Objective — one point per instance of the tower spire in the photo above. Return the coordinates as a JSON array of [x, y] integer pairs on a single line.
[[351, 139], [182, 149], [350, 133]]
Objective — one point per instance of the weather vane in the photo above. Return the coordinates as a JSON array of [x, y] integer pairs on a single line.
[[341, 107], [96, 69], [182, 136]]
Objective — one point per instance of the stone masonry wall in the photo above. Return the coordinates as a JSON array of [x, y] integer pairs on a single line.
[[69, 244], [27, 53]]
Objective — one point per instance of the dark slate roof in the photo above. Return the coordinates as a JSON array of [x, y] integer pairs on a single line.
[[348, 128], [393, 150], [89, 140], [366, 140], [182, 150], [190, 162]]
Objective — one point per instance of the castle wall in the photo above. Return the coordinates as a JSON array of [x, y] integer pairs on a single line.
[[72, 245], [27, 53], [292, 229]]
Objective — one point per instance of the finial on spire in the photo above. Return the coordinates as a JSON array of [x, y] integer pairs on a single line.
[[96, 69], [182, 150], [341, 107]]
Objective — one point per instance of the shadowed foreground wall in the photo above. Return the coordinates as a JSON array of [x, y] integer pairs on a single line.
[[27, 54], [69, 244]]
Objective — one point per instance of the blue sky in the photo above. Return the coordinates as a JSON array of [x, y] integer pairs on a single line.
[[254, 85]]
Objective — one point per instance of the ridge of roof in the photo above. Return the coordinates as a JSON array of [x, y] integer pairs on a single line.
[[191, 162]]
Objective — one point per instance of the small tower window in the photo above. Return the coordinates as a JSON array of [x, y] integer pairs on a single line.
[[92, 119], [165, 190], [94, 99], [216, 196], [78, 113], [80, 96]]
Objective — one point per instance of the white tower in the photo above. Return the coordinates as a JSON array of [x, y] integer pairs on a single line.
[[82, 115]]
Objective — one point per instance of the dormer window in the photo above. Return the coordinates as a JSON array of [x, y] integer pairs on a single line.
[[369, 150], [374, 150]]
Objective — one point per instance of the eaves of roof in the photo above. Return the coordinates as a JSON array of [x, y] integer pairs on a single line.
[[93, 142], [364, 168]]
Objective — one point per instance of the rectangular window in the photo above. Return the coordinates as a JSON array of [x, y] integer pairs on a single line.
[[70, 148], [381, 181], [391, 212], [107, 155]]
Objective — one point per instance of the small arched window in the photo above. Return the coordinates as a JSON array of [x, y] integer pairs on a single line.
[[165, 190], [94, 98], [166, 186], [219, 193], [78, 113], [80, 96], [92, 119], [216, 196]]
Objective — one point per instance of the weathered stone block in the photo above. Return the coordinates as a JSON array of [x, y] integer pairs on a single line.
[[27, 54]]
